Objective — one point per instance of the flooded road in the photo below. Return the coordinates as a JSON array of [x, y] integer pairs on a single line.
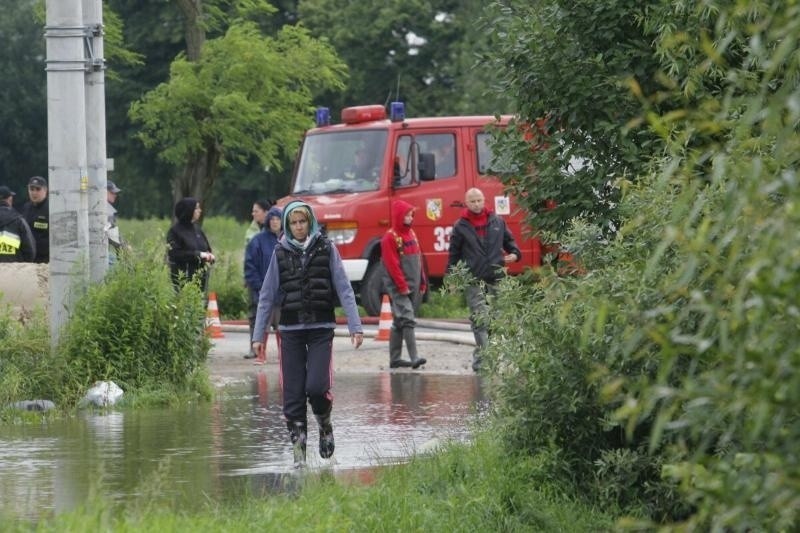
[[237, 444]]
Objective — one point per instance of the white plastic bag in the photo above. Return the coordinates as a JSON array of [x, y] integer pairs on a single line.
[[102, 394]]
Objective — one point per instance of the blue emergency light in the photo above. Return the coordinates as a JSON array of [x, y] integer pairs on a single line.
[[397, 111], [322, 117]]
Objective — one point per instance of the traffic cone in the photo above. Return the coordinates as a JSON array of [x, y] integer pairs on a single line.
[[213, 325], [385, 320]]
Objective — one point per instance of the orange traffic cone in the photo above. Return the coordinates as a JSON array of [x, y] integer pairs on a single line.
[[213, 325], [385, 320]]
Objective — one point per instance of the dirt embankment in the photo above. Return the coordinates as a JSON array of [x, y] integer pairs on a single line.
[[24, 287]]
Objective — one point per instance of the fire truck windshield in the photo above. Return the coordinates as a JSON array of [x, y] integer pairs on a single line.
[[341, 162]]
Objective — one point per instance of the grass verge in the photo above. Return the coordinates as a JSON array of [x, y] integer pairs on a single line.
[[463, 487]]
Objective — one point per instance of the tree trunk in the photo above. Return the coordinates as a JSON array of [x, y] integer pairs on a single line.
[[201, 168], [198, 175], [194, 32]]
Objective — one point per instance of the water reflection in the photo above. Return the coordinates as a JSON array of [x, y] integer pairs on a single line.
[[236, 444]]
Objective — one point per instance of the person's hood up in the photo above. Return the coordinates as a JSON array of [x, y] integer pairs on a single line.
[[313, 226], [399, 210], [275, 211], [184, 209]]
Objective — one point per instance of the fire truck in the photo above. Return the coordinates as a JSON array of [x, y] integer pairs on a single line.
[[350, 172]]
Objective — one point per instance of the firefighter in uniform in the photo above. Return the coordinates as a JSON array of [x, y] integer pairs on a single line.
[[16, 239]]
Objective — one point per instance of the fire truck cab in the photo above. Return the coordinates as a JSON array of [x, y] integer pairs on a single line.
[[350, 173]]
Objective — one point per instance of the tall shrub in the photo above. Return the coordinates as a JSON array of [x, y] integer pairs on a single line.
[[730, 420], [672, 369], [136, 330]]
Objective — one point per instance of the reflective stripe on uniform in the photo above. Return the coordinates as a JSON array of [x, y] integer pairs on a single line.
[[9, 243]]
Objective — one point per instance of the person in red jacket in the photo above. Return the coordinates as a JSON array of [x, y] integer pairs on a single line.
[[404, 281]]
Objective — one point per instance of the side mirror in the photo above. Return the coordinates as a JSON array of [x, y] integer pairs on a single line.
[[427, 166]]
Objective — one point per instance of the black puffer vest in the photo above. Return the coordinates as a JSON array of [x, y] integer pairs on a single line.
[[307, 288]]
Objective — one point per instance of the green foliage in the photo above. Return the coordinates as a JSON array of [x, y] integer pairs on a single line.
[[218, 14], [667, 377], [23, 99], [247, 95], [569, 66], [27, 369], [442, 304], [136, 330], [423, 53], [725, 399], [114, 48]]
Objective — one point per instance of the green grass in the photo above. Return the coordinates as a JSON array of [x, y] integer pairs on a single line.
[[464, 487]]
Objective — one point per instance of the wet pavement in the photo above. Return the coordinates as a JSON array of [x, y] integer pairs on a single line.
[[446, 346]]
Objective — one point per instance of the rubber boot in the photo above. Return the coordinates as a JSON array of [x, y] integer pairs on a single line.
[[396, 350], [298, 435], [326, 442], [410, 338]]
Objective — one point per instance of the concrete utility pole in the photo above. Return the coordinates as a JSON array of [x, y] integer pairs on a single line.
[[96, 139], [67, 163]]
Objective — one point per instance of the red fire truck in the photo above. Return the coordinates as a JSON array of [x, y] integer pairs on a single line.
[[350, 173]]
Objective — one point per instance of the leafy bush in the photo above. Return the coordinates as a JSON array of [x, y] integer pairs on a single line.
[[136, 330], [669, 376], [26, 367]]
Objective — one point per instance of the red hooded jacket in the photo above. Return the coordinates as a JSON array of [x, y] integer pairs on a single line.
[[401, 254]]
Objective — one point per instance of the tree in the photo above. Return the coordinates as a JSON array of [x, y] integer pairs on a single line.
[[569, 66], [416, 51], [245, 95], [23, 102], [667, 380]]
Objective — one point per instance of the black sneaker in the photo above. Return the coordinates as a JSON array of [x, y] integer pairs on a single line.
[[418, 362], [401, 363], [326, 443]]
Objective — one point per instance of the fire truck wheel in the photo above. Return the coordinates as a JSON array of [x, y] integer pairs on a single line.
[[372, 290]]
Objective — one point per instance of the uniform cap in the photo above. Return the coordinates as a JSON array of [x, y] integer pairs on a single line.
[[37, 181], [112, 187]]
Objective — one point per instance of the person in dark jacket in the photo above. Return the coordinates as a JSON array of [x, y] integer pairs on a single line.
[[405, 282], [305, 277], [37, 214], [482, 240], [188, 251], [16, 240], [256, 262]]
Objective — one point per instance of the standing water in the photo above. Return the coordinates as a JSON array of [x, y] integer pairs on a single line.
[[233, 446]]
